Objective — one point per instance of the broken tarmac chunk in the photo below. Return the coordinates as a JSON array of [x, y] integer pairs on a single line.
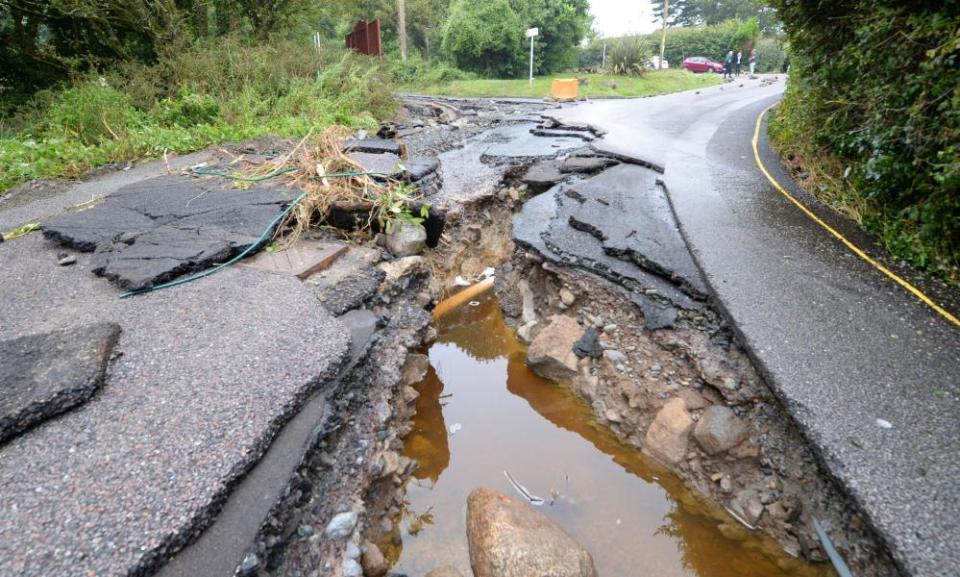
[[543, 175], [158, 229], [586, 164], [46, 374], [386, 163], [416, 169], [372, 146]]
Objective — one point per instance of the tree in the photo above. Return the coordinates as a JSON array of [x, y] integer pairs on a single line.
[[483, 37], [707, 12], [563, 25]]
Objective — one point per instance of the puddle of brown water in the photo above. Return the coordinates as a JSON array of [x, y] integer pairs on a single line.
[[633, 517]]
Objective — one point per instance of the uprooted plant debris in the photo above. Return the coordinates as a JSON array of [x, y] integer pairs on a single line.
[[155, 231]]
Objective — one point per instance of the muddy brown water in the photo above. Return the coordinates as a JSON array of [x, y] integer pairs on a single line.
[[481, 412]]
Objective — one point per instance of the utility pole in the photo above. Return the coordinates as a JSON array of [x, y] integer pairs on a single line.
[[403, 29], [663, 33]]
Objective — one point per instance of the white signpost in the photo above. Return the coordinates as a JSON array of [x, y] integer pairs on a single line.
[[531, 34]]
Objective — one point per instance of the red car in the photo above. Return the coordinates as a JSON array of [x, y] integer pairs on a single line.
[[697, 64]]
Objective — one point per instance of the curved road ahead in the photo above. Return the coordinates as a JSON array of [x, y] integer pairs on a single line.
[[848, 351]]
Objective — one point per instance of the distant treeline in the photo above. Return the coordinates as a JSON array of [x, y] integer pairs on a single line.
[[712, 41]]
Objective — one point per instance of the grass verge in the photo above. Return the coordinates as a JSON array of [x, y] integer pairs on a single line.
[[597, 86], [195, 96]]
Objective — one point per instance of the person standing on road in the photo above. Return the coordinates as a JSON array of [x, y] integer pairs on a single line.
[[728, 65], [739, 60], [753, 61]]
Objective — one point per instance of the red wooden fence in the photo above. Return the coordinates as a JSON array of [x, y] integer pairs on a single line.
[[365, 38]]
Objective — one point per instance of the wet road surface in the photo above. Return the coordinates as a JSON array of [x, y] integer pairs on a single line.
[[847, 351]]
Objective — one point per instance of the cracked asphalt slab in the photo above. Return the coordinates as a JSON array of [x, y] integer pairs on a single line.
[[869, 373], [208, 373], [44, 374], [158, 229]]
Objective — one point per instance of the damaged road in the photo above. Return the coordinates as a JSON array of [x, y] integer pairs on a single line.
[[255, 423]]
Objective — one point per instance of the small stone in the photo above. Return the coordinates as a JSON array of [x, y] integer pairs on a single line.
[[304, 531], [551, 354], [353, 552], [249, 565], [373, 562], [609, 328], [567, 297], [588, 345], [525, 332], [352, 569], [341, 525], [719, 430], [748, 506], [614, 356], [402, 267], [67, 260], [716, 477], [726, 485], [666, 439], [695, 401], [414, 369], [391, 463], [406, 238], [410, 394]]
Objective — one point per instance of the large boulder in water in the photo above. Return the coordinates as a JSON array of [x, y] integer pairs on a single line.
[[508, 538]]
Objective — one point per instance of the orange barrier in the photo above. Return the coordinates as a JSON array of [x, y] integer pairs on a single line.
[[564, 89]]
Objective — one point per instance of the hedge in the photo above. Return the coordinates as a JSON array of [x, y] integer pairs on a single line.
[[874, 103]]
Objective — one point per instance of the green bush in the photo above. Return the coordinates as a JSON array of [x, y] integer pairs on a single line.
[[628, 56], [770, 55], [187, 109], [483, 37], [873, 99], [90, 112], [421, 71]]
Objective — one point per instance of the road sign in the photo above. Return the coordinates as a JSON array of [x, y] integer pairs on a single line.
[[531, 34]]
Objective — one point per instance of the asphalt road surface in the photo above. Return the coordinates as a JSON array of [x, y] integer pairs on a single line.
[[870, 373]]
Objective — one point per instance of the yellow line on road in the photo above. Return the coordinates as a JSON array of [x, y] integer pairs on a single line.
[[853, 248]]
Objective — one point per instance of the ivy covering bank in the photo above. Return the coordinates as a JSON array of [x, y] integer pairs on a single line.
[[872, 112]]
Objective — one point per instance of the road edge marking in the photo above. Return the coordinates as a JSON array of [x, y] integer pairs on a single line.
[[853, 248]]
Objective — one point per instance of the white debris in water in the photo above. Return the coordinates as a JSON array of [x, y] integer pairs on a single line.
[[454, 428], [533, 499], [884, 424]]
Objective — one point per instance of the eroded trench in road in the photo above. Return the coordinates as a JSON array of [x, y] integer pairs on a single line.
[[655, 445]]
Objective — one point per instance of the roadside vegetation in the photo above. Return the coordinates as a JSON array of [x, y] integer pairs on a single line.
[[596, 85], [91, 82], [872, 119], [124, 80]]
